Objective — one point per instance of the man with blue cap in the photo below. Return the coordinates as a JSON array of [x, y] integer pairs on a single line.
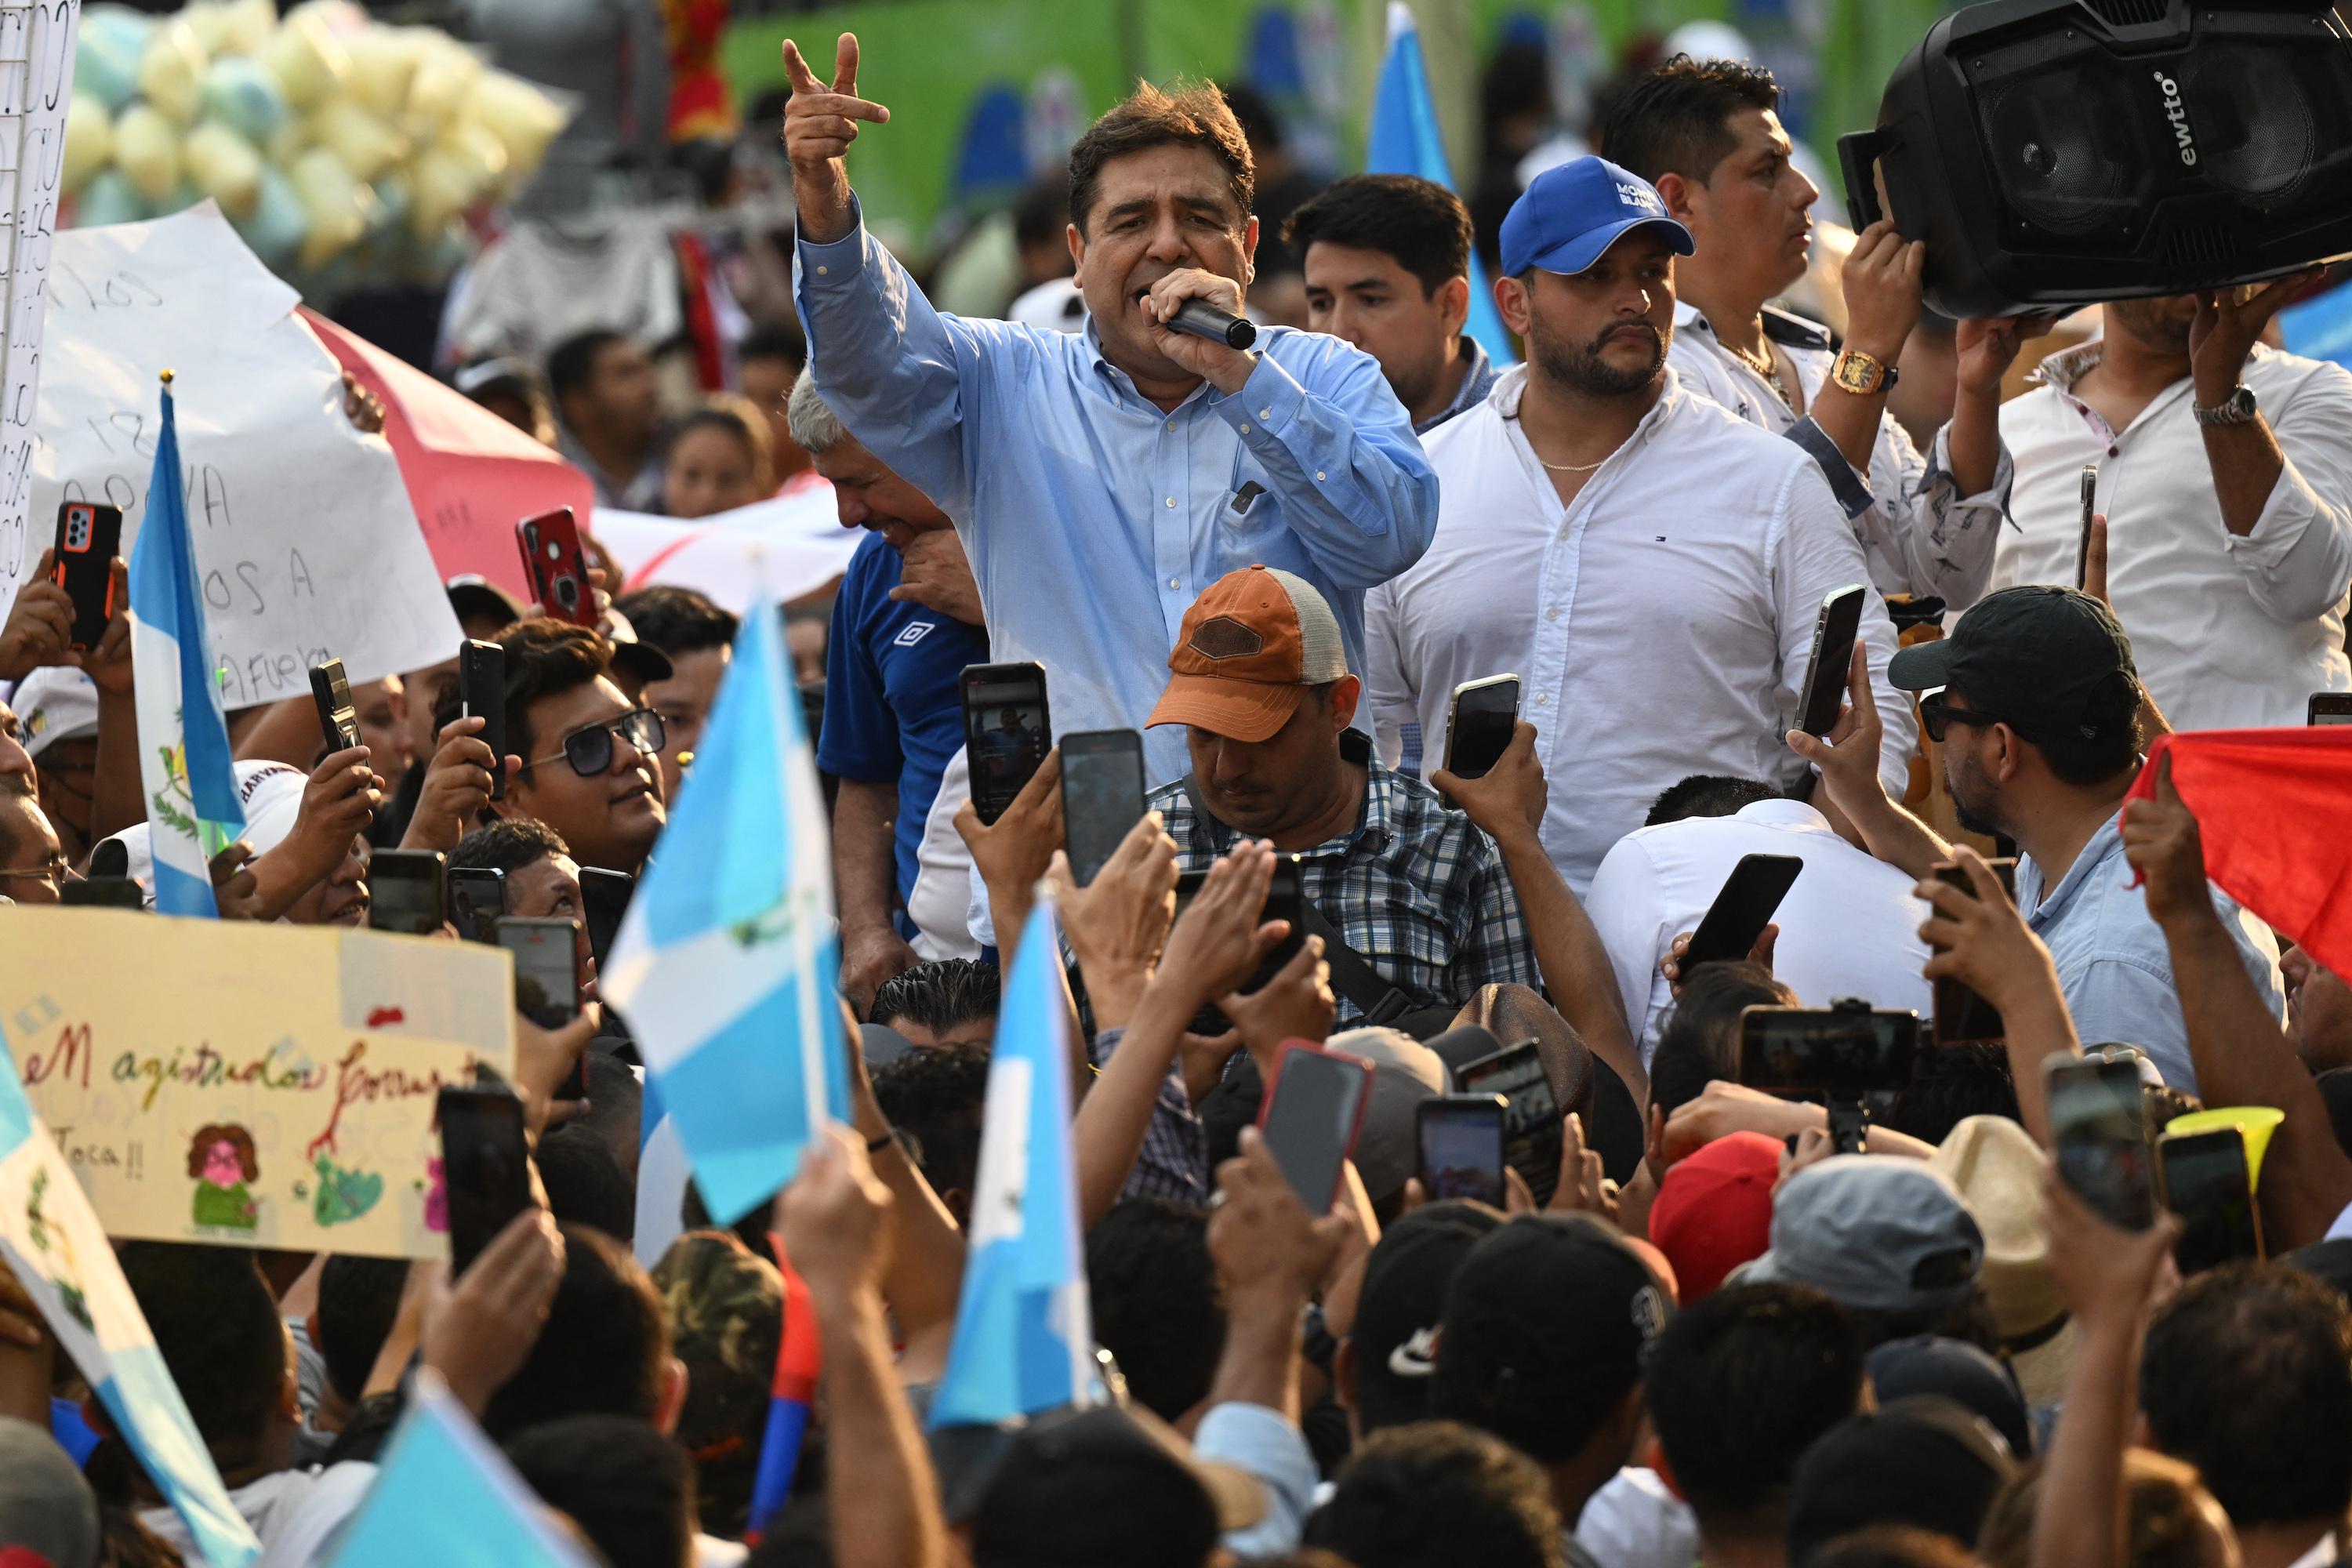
[[1651, 567]]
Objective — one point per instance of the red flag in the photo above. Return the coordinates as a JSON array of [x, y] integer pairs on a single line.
[[2275, 810]]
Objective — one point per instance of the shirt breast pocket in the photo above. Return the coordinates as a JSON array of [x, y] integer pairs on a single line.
[[1251, 524]]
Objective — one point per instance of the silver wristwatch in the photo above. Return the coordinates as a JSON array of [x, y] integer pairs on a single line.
[[2238, 409]]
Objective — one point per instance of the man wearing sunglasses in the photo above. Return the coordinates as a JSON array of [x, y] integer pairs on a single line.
[[590, 756], [2036, 703]]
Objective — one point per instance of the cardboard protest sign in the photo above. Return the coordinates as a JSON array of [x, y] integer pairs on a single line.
[[257, 1085], [37, 69], [307, 547]]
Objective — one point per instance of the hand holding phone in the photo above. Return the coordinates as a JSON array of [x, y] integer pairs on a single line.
[[404, 891], [338, 720], [546, 967], [1839, 1053], [482, 693], [1460, 1139], [603, 899], [1532, 1124], [2095, 1118], [485, 1166], [477, 899], [1007, 731], [1479, 725], [1962, 1016], [1835, 630], [2090, 489], [1311, 1119], [88, 538], [558, 566], [1729, 930], [2209, 1183], [1102, 797]]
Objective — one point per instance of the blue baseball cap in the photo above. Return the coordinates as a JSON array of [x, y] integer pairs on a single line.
[[1574, 212]]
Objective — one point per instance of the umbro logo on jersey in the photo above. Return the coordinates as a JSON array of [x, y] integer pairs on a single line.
[[915, 632]]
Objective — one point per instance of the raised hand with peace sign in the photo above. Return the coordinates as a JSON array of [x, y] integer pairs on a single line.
[[820, 122]]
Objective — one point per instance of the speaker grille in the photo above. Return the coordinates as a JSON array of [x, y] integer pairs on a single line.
[[2128, 13], [2060, 147], [2198, 245], [2256, 127]]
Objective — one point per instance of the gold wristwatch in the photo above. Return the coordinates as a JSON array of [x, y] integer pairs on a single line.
[[1861, 374]]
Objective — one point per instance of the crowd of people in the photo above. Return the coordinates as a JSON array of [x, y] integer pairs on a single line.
[[1722, 1324]]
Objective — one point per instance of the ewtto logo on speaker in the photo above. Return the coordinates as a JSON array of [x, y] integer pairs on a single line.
[[2177, 112]]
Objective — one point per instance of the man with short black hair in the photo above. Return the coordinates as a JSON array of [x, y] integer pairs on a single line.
[[2038, 707], [541, 880], [1739, 1387], [934, 1101], [1708, 134], [1156, 1304], [700, 639], [945, 1005], [1439, 1491], [1699, 1043], [2247, 1375], [604, 1348], [629, 1488], [610, 403], [1708, 795], [1388, 268]]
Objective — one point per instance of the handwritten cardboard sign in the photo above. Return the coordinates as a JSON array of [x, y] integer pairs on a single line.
[[307, 547], [253, 1085], [36, 68]]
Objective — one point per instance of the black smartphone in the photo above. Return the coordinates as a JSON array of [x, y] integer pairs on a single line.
[[485, 1166], [477, 898], [1478, 727], [2094, 1132], [338, 720], [2208, 1183], [103, 893], [1310, 1120], [1286, 899], [546, 967], [603, 899], [404, 891], [1102, 797], [557, 565], [2328, 707], [2082, 539], [1961, 1015], [1460, 1140], [1838, 1053], [90, 536], [1835, 630], [1006, 732], [482, 692], [1531, 1116], [1728, 931]]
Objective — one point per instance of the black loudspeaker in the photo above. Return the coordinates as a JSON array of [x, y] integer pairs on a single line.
[[2058, 153]]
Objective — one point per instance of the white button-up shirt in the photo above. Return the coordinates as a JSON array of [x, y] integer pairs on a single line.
[[1848, 925], [1918, 533], [2227, 632], [1660, 626]]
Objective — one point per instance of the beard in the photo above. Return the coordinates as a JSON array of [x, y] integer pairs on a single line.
[[17, 784], [1972, 800], [2153, 322], [1578, 367]]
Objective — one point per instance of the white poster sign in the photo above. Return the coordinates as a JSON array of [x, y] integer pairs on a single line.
[[37, 63], [306, 545]]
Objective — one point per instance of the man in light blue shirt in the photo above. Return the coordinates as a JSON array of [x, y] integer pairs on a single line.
[[2038, 711], [1101, 480]]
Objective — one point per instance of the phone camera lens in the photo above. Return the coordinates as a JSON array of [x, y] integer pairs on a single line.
[[567, 593]]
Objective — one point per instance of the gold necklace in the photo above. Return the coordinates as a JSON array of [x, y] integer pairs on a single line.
[[1571, 467], [1764, 365]]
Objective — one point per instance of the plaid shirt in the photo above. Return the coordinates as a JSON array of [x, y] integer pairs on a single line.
[[1175, 1160], [1416, 890]]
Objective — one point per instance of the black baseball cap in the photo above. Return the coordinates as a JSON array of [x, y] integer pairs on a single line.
[[1394, 1341], [2032, 657], [1923, 1461]]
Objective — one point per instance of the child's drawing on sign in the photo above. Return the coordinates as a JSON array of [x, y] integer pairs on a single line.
[[344, 1194], [221, 1159]]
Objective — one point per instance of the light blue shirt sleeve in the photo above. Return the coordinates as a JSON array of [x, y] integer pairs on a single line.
[[1339, 449], [1263, 1444]]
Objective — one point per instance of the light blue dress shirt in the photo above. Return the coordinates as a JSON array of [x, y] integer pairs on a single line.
[[2113, 963], [1092, 518]]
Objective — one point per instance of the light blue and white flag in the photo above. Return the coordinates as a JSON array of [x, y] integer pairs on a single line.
[[445, 1496], [1404, 140], [183, 755], [1024, 1328], [52, 1241], [726, 961]]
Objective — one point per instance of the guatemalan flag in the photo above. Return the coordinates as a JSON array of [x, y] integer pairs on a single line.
[[445, 1495], [727, 962], [1024, 1331], [1404, 140], [183, 756], [52, 1241]]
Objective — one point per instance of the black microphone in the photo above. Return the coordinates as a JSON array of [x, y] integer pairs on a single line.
[[1205, 320]]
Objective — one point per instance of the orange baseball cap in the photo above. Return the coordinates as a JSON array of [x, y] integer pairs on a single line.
[[1249, 649]]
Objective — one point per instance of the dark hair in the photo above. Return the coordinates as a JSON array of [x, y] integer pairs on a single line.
[[1699, 1042], [508, 843], [1418, 223], [936, 1098], [2248, 1376], [774, 340], [629, 1489], [942, 995], [604, 1349], [219, 1335], [717, 415], [1157, 1306], [585, 1183], [1194, 115], [1675, 118], [677, 620], [1041, 211], [239, 1141], [545, 657], [1955, 1082], [1739, 1386], [571, 364], [1436, 1491], [1891, 1546], [1708, 795], [359, 1297]]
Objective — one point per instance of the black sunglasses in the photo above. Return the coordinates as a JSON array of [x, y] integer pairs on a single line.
[[1935, 713], [590, 750]]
